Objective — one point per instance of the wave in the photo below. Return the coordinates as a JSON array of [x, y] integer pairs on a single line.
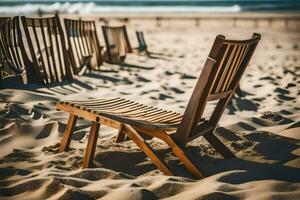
[[88, 8]]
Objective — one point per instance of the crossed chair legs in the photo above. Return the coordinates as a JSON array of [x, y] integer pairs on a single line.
[[133, 134]]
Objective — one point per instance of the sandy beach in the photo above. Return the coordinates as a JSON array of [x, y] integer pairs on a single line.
[[262, 127]]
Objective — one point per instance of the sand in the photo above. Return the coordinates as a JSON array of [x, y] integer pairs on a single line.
[[262, 127]]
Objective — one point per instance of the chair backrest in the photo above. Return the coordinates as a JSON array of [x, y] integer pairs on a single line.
[[46, 42], [12, 52], [141, 40], [117, 43], [219, 78], [83, 43]]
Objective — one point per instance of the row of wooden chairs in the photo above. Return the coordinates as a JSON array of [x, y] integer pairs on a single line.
[[218, 81], [45, 57]]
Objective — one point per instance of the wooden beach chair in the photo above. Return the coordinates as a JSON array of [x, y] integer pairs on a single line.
[[142, 49], [14, 61], [142, 42], [117, 44], [47, 47], [84, 47], [218, 80]]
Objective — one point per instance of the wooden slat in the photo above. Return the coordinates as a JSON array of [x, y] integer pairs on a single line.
[[168, 119], [85, 32], [228, 68], [223, 69], [121, 109], [232, 68], [36, 39], [101, 103], [239, 62], [221, 95], [90, 101], [46, 51], [214, 84], [52, 51], [114, 105], [159, 117], [59, 51], [133, 109], [16, 56]]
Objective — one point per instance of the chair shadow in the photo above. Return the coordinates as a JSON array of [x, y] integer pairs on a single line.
[[136, 163], [57, 87], [102, 77], [136, 66], [275, 151], [157, 56]]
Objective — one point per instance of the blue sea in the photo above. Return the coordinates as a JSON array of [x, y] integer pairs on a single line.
[[98, 6]]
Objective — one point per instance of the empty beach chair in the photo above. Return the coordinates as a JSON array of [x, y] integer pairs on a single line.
[[218, 80], [117, 44], [14, 62], [142, 43], [84, 47], [143, 47], [47, 47]]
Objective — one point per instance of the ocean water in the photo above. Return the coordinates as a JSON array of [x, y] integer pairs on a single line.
[[98, 6]]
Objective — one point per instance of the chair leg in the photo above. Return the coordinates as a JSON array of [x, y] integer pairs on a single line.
[[65, 142], [121, 135], [218, 145], [179, 153], [134, 136], [91, 145]]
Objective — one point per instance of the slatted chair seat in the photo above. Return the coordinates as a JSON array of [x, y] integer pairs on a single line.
[[218, 81], [127, 111]]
